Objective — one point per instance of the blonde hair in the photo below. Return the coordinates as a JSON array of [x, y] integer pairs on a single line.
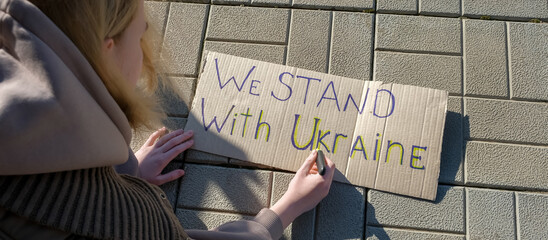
[[88, 23]]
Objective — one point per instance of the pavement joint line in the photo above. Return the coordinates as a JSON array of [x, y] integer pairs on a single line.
[[287, 38], [480, 186], [270, 188], [513, 143], [508, 59], [463, 59], [462, 8], [372, 48], [164, 24], [365, 196], [299, 7], [418, 230], [210, 210], [491, 187], [487, 96], [246, 41], [434, 53], [517, 100], [463, 144], [202, 44], [330, 45], [516, 217], [466, 214], [503, 188], [177, 115], [180, 75], [364, 10], [516, 205], [177, 192], [235, 166]]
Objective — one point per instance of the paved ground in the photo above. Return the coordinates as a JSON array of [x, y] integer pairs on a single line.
[[488, 54]]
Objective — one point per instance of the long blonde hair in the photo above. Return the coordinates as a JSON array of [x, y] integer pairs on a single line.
[[88, 23]]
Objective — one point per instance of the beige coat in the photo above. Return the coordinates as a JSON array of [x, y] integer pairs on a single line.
[[61, 133]]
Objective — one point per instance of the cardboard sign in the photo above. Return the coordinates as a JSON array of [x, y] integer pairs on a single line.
[[381, 136]]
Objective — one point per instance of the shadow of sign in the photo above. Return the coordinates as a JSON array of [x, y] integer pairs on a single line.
[[451, 171]]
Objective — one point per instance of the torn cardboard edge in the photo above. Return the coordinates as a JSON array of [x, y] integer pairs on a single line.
[[381, 136]]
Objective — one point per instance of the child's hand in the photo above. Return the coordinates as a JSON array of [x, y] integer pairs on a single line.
[[305, 190], [155, 155]]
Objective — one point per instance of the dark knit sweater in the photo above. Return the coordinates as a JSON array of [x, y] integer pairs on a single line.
[[95, 202], [60, 134]]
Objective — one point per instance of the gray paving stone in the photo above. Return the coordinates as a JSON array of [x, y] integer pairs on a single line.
[[140, 136], [183, 38], [157, 15], [448, 8], [229, 189], [506, 165], [248, 24], [262, 52], [397, 6], [379, 233], [532, 215], [196, 156], [418, 34], [308, 45], [174, 123], [529, 60], [506, 9], [491, 214], [351, 45], [176, 101], [451, 165], [172, 188], [485, 61], [336, 4], [341, 213], [424, 70], [507, 121], [445, 214], [303, 226], [206, 220]]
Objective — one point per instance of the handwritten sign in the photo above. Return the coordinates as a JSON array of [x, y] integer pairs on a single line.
[[381, 136]]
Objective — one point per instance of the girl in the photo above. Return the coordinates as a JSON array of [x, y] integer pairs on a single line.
[[75, 77]]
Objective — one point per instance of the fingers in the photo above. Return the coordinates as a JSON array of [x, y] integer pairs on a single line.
[[155, 135], [168, 137], [170, 176], [330, 163], [329, 169], [176, 140], [173, 152], [307, 165]]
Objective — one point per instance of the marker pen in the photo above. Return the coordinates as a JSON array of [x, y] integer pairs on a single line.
[[320, 162]]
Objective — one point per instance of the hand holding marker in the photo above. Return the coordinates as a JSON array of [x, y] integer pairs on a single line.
[[320, 162]]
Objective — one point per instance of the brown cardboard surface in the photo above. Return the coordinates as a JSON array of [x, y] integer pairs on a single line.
[[382, 136]]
